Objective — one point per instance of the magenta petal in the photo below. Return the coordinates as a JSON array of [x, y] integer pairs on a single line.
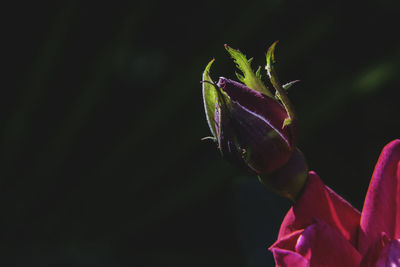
[[285, 254], [316, 245], [319, 201], [287, 258], [381, 211], [324, 246]]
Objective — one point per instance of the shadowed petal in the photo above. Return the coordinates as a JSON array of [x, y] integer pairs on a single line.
[[319, 201], [390, 254], [373, 254], [381, 212], [271, 111], [266, 150], [256, 123]]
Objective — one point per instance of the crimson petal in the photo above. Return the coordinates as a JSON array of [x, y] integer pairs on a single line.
[[285, 254], [320, 202], [317, 245], [381, 211], [324, 246]]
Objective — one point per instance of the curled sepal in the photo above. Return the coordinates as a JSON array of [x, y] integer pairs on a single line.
[[249, 78], [288, 85], [210, 96], [271, 60], [280, 90]]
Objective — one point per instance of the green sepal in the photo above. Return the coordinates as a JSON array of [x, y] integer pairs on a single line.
[[210, 96], [280, 90], [258, 73], [214, 98], [249, 78], [287, 122]]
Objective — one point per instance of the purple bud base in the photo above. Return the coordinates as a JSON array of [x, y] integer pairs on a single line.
[[289, 180]]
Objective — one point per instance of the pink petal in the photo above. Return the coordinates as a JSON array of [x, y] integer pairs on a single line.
[[287, 258], [285, 254], [324, 246], [317, 245], [319, 201], [381, 211]]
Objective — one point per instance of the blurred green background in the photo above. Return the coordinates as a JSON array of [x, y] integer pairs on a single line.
[[102, 115]]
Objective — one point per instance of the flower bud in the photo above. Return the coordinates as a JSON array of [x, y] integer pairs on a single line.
[[252, 129]]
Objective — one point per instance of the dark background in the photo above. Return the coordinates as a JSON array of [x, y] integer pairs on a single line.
[[102, 116]]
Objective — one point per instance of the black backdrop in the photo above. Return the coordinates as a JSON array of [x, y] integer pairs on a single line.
[[102, 116]]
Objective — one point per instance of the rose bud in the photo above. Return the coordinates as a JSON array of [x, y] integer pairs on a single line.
[[254, 130], [252, 122]]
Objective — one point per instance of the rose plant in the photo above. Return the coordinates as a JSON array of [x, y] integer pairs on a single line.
[[256, 130]]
